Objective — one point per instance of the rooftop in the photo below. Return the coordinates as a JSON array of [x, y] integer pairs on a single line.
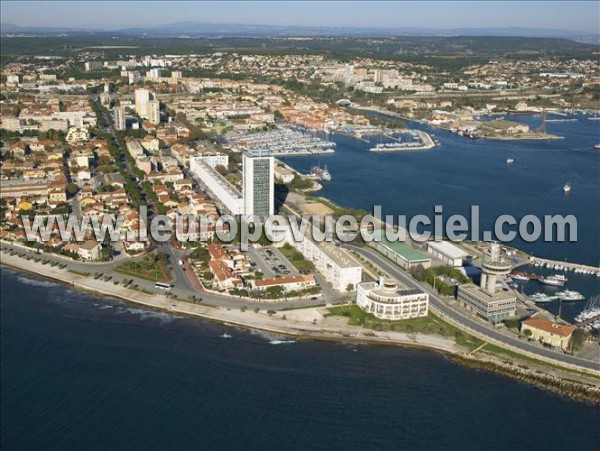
[[401, 248], [447, 249], [548, 326]]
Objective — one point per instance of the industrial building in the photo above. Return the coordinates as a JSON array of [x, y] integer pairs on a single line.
[[447, 252], [386, 299], [399, 252]]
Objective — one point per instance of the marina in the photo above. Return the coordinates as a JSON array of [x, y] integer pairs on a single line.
[[409, 140], [283, 141]]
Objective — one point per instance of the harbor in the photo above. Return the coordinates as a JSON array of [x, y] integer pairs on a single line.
[[282, 141], [409, 140]]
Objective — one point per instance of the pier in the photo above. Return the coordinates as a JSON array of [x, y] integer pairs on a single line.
[[564, 266]]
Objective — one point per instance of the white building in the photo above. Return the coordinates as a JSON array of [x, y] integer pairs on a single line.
[[212, 159], [119, 118], [76, 134], [387, 300], [223, 191], [153, 111], [142, 97], [133, 77], [447, 252], [259, 183], [339, 268]]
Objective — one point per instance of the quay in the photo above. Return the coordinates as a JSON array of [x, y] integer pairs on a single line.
[[564, 266]]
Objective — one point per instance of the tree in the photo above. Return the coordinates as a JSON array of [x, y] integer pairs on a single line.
[[350, 287], [527, 332], [72, 189], [577, 340], [221, 170]]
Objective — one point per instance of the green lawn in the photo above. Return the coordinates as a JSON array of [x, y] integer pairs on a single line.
[[296, 258], [152, 267]]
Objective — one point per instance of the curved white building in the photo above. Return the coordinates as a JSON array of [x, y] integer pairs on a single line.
[[387, 300]]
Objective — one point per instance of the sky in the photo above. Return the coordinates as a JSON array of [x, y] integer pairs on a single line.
[[564, 15]]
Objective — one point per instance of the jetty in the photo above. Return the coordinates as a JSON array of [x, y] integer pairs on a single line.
[[564, 266]]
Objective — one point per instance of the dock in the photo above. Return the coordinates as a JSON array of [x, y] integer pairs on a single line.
[[565, 266]]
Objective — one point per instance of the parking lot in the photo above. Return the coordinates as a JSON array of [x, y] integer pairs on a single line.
[[271, 262]]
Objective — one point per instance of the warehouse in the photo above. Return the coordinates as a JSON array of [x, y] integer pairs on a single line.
[[447, 252], [400, 252]]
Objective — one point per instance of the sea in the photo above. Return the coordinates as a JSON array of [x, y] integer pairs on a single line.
[[81, 372], [85, 372]]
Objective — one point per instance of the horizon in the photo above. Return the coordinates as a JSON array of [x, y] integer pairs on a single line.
[[579, 17]]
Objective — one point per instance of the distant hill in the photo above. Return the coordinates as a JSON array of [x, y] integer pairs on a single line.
[[192, 28]]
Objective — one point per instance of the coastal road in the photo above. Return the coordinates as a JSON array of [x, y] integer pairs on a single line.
[[468, 322], [183, 288]]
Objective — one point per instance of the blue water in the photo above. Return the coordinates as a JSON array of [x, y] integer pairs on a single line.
[[463, 172], [86, 373]]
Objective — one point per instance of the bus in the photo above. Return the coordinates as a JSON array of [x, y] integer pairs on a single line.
[[163, 285]]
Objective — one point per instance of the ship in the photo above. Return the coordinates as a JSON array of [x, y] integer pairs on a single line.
[[567, 188], [519, 276], [557, 280], [597, 147], [570, 296], [321, 173], [510, 160]]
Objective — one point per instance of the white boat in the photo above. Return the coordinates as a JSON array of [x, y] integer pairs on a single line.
[[557, 280], [322, 173], [225, 336], [539, 298], [570, 296], [567, 188], [510, 160]]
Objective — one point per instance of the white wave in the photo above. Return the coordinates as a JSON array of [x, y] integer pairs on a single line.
[[267, 336], [36, 282], [147, 314], [281, 342]]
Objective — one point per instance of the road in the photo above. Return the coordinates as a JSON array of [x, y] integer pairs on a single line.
[[437, 303]]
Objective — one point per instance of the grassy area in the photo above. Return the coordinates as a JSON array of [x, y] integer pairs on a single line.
[[340, 211], [152, 267], [430, 325], [296, 258]]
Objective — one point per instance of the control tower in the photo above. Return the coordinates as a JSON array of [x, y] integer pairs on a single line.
[[494, 264]]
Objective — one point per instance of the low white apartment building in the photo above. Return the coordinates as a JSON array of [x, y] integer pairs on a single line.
[[386, 299], [212, 159], [223, 191], [339, 268]]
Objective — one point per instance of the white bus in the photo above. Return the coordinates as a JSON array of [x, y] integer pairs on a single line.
[[163, 285]]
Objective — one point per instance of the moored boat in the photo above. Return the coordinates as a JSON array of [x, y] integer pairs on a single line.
[[557, 280]]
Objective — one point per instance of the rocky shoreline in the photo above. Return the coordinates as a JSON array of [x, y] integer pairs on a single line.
[[568, 388]]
